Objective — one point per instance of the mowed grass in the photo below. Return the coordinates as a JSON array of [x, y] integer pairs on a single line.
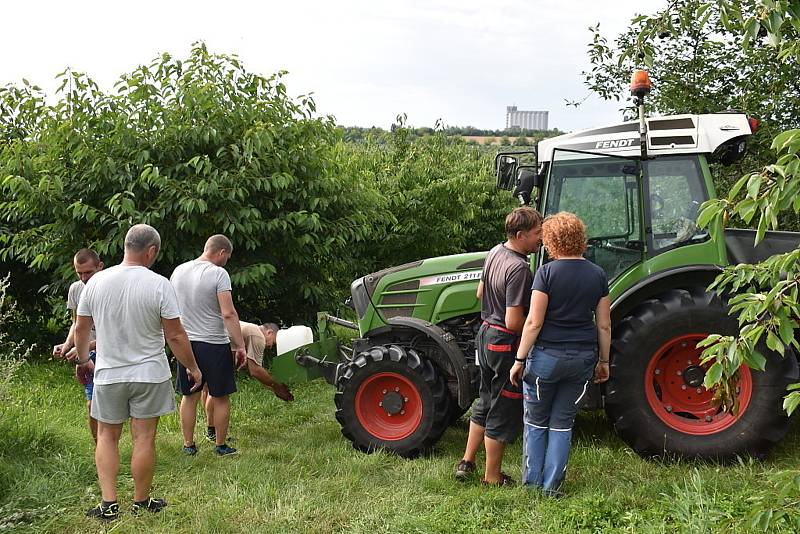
[[296, 473]]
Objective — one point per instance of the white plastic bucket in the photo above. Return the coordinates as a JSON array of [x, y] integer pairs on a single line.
[[290, 338]]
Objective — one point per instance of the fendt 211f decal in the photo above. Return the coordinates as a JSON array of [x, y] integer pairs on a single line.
[[450, 278]]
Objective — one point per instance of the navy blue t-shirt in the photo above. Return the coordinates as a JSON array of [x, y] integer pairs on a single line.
[[573, 287]]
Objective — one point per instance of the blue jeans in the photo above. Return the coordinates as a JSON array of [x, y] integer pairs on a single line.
[[554, 383]]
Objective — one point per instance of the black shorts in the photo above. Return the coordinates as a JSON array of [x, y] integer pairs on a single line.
[[216, 364], [499, 408]]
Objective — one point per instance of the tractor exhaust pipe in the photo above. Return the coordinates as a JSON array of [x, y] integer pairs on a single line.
[[341, 322]]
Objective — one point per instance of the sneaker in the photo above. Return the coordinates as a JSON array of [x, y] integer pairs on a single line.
[[224, 450], [212, 437], [104, 513], [190, 450], [150, 505], [505, 480], [464, 470]]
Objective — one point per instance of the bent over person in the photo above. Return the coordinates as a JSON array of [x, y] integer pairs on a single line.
[[256, 339], [133, 310], [504, 292], [204, 292], [569, 324]]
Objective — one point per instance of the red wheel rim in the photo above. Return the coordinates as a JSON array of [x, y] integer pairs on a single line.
[[388, 406], [671, 386]]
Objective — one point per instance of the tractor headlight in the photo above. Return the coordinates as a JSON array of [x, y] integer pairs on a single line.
[[360, 297]]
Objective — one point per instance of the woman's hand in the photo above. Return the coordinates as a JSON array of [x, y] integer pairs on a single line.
[[601, 372], [516, 372]]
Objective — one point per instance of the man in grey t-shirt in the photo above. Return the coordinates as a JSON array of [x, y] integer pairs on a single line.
[[86, 263], [504, 290], [133, 309], [204, 292]]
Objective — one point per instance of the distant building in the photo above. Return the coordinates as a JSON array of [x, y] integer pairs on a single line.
[[526, 120]]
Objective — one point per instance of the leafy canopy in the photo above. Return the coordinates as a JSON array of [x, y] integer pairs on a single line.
[[192, 147]]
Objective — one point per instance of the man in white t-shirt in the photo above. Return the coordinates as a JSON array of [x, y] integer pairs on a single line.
[[86, 263], [133, 310], [203, 287]]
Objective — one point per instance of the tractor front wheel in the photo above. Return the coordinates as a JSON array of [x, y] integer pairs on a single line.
[[390, 398], [656, 398]]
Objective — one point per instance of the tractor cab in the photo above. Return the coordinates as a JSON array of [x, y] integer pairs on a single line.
[[639, 195]]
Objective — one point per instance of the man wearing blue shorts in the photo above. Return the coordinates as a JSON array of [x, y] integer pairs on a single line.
[[86, 263], [203, 288]]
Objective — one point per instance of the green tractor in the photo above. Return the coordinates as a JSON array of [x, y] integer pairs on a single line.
[[411, 372]]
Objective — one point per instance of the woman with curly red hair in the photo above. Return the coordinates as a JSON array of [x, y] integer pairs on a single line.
[[568, 325]]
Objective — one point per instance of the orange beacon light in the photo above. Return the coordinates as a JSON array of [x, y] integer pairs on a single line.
[[640, 83]]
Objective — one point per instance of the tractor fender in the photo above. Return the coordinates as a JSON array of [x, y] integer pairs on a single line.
[[678, 278], [450, 358]]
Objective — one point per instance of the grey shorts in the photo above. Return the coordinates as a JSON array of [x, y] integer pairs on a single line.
[[116, 403]]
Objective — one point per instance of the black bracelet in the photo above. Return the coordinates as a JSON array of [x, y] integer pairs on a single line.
[[602, 361], [519, 360]]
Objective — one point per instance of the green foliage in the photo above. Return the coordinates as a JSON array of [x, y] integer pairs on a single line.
[[521, 141], [193, 147], [766, 294], [780, 506], [435, 196], [201, 146], [12, 353], [358, 135], [700, 61]]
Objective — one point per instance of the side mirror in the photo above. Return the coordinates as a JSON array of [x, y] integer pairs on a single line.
[[730, 152], [527, 179], [506, 172]]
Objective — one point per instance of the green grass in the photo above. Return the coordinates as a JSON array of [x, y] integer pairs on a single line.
[[297, 473]]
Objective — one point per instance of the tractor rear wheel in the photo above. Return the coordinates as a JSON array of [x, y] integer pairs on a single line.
[[655, 396], [390, 398]]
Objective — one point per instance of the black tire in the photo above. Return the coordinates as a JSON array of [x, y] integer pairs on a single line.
[[652, 334], [368, 425], [454, 411]]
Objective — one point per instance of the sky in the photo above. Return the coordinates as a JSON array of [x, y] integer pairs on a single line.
[[461, 61]]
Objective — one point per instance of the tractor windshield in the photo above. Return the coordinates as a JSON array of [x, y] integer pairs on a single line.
[[604, 192]]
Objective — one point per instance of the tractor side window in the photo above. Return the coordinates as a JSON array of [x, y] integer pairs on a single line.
[[676, 192], [604, 193]]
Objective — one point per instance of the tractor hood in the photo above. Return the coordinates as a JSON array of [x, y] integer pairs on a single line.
[[397, 291]]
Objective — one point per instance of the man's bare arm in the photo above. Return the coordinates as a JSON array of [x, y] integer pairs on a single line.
[[60, 351], [178, 342], [83, 329], [230, 319], [515, 318]]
